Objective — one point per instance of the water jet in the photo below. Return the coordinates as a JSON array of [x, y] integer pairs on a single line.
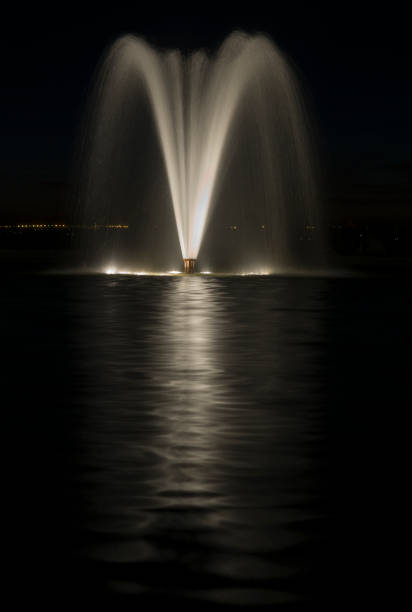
[[223, 138]]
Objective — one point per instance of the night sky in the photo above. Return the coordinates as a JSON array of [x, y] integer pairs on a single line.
[[353, 64]]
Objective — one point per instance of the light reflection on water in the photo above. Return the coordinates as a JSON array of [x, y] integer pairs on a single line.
[[210, 438], [200, 414]]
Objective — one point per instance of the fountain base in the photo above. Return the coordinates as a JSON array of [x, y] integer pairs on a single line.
[[189, 265]]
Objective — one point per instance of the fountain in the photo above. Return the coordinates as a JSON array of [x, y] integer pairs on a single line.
[[237, 112]]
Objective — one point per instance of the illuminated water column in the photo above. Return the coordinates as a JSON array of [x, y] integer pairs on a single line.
[[189, 265]]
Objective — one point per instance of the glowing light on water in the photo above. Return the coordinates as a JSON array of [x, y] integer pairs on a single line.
[[113, 270], [254, 273]]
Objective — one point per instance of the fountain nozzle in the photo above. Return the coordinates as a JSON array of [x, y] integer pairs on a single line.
[[189, 265]]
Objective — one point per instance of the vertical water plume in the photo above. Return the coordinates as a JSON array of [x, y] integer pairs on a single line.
[[206, 111]]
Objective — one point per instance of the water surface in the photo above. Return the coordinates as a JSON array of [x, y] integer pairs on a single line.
[[197, 440]]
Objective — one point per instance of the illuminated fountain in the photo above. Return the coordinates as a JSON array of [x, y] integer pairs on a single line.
[[238, 109]]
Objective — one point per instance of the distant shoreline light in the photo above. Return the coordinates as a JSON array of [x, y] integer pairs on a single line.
[[95, 226]]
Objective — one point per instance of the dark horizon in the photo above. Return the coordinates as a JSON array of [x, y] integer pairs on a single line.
[[352, 67]]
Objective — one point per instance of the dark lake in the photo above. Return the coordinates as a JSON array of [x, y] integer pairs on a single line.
[[199, 441]]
